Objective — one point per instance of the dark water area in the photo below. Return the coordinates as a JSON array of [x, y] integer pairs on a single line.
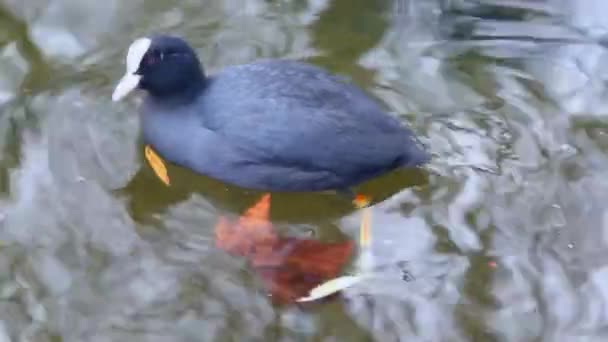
[[502, 237]]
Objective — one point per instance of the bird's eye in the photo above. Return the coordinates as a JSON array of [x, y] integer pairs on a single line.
[[153, 58], [150, 60], [172, 53]]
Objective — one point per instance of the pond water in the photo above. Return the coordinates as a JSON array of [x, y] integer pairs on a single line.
[[502, 237]]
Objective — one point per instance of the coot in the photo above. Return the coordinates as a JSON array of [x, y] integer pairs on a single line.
[[272, 125]]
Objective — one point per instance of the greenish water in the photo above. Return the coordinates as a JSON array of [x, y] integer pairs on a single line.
[[509, 96]]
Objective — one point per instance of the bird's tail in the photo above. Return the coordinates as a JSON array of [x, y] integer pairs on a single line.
[[414, 154]]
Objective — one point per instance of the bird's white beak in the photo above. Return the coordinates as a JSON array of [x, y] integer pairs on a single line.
[[126, 85], [130, 80]]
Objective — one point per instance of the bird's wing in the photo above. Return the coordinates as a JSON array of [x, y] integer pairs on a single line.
[[301, 116]]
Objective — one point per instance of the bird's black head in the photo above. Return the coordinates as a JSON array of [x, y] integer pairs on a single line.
[[164, 66]]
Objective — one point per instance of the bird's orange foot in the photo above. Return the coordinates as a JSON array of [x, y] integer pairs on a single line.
[[157, 164]]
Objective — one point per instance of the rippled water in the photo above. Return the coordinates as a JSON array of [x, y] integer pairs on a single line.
[[502, 238]]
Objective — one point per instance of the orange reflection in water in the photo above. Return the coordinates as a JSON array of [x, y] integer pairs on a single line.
[[288, 267]]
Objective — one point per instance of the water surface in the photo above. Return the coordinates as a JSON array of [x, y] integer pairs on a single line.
[[503, 237]]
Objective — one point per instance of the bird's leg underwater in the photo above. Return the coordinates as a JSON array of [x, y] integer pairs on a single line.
[[365, 262], [361, 201]]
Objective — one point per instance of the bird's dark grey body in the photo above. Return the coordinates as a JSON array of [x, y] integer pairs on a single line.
[[271, 125], [280, 126]]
